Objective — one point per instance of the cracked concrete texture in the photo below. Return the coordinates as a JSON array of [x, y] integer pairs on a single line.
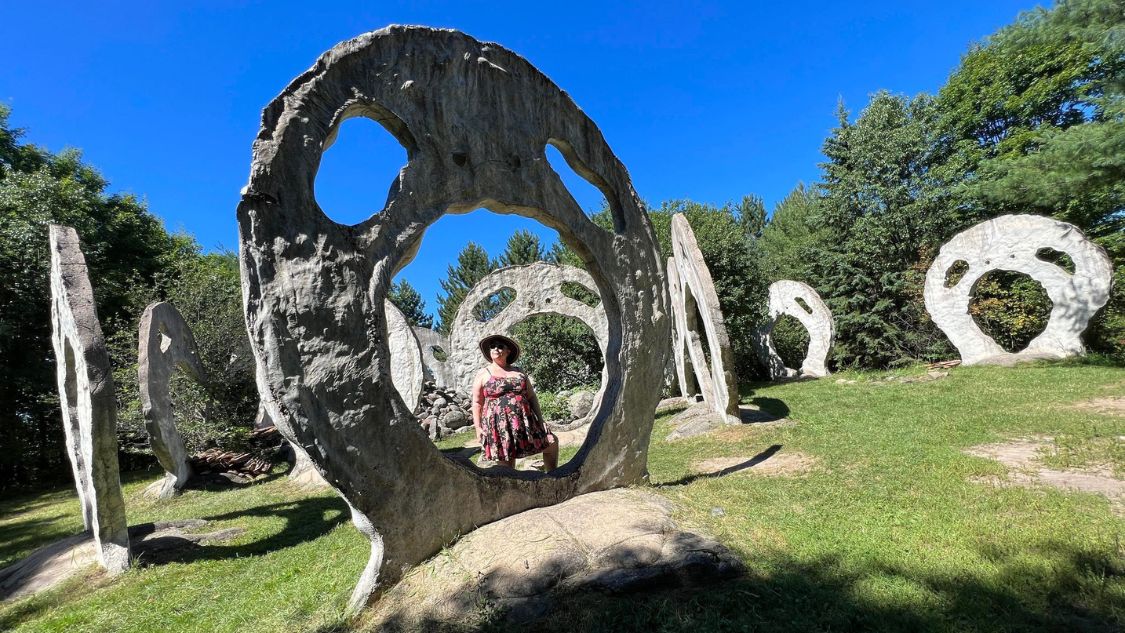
[[693, 293], [165, 344], [1013, 242], [814, 315], [89, 406], [615, 541], [475, 119]]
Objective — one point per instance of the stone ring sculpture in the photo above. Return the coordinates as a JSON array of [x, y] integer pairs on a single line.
[[166, 344], [475, 119], [1013, 242], [538, 289], [817, 319], [694, 293]]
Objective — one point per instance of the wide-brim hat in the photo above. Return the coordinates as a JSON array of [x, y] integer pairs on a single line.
[[512, 345]]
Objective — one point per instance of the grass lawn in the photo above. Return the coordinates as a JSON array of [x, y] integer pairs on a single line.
[[891, 528]]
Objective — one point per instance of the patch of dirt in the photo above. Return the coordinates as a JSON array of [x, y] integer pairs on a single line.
[[1023, 458], [793, 464], [1113, 405]]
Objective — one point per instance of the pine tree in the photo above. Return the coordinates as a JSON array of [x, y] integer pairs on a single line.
[[472, 266], [523, 248], [407, 299]]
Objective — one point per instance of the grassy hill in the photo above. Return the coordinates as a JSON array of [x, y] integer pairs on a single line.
[[883, 522]]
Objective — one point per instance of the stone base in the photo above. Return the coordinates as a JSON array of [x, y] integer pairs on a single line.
[[615, 541]]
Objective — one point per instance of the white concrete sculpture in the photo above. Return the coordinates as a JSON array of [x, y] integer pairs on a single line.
[[475, 119], [814, 315], [89, 408], [165, 344], [436, 370], [697, 296], [407, 370], [1013, 242], [538, 289]]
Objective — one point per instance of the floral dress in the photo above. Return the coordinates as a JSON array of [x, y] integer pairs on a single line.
[[510, 428]]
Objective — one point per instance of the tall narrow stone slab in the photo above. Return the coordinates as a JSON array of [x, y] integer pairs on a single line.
[[89, 409], [538, 289], [814, 315], [166, 344], [475, 119], [407, 370], [438, 370], [1014, 243], [698, 316]]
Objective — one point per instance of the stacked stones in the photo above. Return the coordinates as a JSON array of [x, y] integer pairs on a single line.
[[443, 411]]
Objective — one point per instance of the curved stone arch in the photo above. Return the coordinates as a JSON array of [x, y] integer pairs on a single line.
[[475, 119], [437, 370], [783, 297], [696, 290], [1012, 242], [89, 407], [165, 344], [538, 290]]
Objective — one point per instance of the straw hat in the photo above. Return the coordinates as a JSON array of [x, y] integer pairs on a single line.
[[513, 347]]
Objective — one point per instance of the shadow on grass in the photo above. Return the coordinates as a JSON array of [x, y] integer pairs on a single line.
[[750, 463], [1070, 589], [771, 405]]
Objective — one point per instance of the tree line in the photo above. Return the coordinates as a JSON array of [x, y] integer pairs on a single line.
[[1032, 120]]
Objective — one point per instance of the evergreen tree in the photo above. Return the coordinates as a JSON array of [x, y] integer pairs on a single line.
[[472, 266], [523, 248], [413, 307], [789, 236]]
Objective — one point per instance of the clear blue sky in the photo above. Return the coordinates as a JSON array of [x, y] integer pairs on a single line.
[[709, 101]]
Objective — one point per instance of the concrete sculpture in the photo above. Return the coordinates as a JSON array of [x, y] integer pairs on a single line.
[[89, 409], [407, 370], [165, 344], [814, 315], [436, 370], [538, 289], [1014, 243], [475, 119], [696, 299]]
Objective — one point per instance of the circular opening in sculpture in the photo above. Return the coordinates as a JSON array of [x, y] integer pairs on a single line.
[[359, 169], [791, 340], [486, 309], [1058, 258], [956, 272], [1010, 307]]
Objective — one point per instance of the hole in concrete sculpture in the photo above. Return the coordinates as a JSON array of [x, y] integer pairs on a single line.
[[1058, 258], [578, 292], [357, 169], [804, 306], [956, 272], [588, 189], [192, 410], [1010, 307], [486, 309], [439, 353], [791, 340]]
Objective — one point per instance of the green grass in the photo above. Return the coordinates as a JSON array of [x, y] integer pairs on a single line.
[[889, 531]]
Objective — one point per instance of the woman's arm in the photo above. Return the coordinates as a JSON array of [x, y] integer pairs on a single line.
[[478, 403], [532, 399]]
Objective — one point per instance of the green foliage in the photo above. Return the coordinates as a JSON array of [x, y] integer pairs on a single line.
[[733, 258], [790, 235], [791, 340], [472, 266], [559, 352], [553, 406], [413, 307], [1010, 307], [125, 246], [523, 248]]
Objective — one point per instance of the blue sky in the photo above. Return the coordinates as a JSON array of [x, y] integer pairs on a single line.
[[709, 101]]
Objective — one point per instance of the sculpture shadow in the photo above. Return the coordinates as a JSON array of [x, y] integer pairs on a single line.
[[772, 406], [796, 594], [750, 463]]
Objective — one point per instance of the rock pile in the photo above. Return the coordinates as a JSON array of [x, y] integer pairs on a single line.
[[443, 411]]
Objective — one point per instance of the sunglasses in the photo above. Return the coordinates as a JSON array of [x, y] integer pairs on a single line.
[[498, 346]]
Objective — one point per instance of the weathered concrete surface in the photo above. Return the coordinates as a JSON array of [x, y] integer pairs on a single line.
[[1011, 242], [407, 370], [822, 330], [618, 541], [165, 344], [694, 294], [475, 119], [89, 408], [436, 370], [538, 290]]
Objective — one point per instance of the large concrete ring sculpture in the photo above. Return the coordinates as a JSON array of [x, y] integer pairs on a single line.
[[814, 315], [696, 295], [89, 408], [1013, 242], [165, 345], [538, 289], [475, 119], [436, 370]]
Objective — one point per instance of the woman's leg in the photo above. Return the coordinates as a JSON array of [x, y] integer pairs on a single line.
[[551, 453]]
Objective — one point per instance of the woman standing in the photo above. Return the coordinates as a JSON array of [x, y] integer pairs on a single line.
[[506, 413]]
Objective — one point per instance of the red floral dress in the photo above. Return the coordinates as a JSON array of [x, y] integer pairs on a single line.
[[510, 428]]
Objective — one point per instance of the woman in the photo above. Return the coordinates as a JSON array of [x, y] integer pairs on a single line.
[[506, 413]]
